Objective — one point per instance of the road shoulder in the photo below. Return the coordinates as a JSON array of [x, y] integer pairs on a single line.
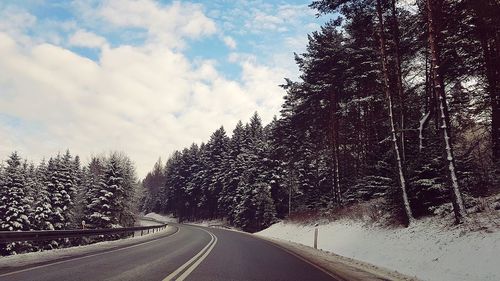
[[342, 267]]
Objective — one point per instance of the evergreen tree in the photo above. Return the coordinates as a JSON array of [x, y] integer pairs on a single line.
[[43, 208], [14, 204]]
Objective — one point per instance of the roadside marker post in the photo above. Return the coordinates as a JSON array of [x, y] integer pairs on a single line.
[[316, 237]]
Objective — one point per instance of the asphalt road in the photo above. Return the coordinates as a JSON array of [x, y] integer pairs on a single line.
[[191, 253]]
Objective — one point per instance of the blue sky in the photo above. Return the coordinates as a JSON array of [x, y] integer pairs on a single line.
[[146, 77]]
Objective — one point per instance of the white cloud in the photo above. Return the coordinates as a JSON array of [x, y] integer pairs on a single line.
[[230, 42], [146, 102], [15, 20], [165, 25], [147, 99], [281, 18], [83, 38]]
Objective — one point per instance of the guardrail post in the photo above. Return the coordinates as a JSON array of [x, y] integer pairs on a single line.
[[141, 232]]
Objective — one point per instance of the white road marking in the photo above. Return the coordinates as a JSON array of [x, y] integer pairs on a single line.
[[195, 265], [196, 259], [84, 257]]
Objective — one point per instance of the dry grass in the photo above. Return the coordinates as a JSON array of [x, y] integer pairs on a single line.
[[483, 215]]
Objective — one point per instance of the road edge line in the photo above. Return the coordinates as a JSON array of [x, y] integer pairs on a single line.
[[304, 259]]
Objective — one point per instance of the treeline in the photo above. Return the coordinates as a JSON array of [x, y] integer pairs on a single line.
[[228, 177], [395, 102], [59, 194]]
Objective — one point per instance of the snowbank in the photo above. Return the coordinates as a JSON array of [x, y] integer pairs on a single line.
[[424, 250], [163, 218]]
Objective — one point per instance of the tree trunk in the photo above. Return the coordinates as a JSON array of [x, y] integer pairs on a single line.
[[430, 105], [433, 8], [334, 148], [399, 77], [388, 95]]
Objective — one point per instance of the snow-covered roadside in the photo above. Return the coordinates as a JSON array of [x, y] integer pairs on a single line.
[[210, 223], [57, 254], [163, 218], [425, 249]]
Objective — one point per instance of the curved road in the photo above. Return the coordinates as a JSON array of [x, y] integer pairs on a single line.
[[190, 253]]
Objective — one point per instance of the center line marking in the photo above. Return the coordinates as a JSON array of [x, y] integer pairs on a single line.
[[194, 261]]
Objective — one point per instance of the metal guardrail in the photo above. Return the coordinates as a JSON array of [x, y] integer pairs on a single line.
[[40, 235]]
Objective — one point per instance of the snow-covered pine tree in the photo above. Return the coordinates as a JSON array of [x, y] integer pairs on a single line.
[[128, 202], [92, 180], [103, 207], [152, 183], [233, 170], [274, 172], [14, 206], [111, 192], [255, 208], [31, 181], [193, 191], [69, 179], [42, 207], [215, 153], [53, 189]]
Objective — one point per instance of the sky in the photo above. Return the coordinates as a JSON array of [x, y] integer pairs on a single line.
[[141, 76]]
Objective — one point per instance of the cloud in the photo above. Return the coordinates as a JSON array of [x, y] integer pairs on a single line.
[[280, 18], [146, 102], [166, 25], [142, 94], [83, 38], [15, 20], [230, 42]]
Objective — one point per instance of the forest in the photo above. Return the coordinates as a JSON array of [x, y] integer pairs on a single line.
[[59, 194], [397, 103]]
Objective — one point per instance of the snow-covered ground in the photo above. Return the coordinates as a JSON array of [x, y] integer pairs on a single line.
[[426, 249], [163, 218]]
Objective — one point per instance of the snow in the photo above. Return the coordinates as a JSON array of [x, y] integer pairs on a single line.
[[426, 249], [421, 130], [162, 218], [209, 223]]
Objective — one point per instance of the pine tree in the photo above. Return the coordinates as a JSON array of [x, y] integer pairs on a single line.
[[14, 206], [104, 207], [92, 181], [215, 153], [234, 166], [152, 183], [43, 208], [433, 10]]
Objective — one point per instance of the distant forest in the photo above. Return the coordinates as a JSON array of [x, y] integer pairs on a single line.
[[395, 102]]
